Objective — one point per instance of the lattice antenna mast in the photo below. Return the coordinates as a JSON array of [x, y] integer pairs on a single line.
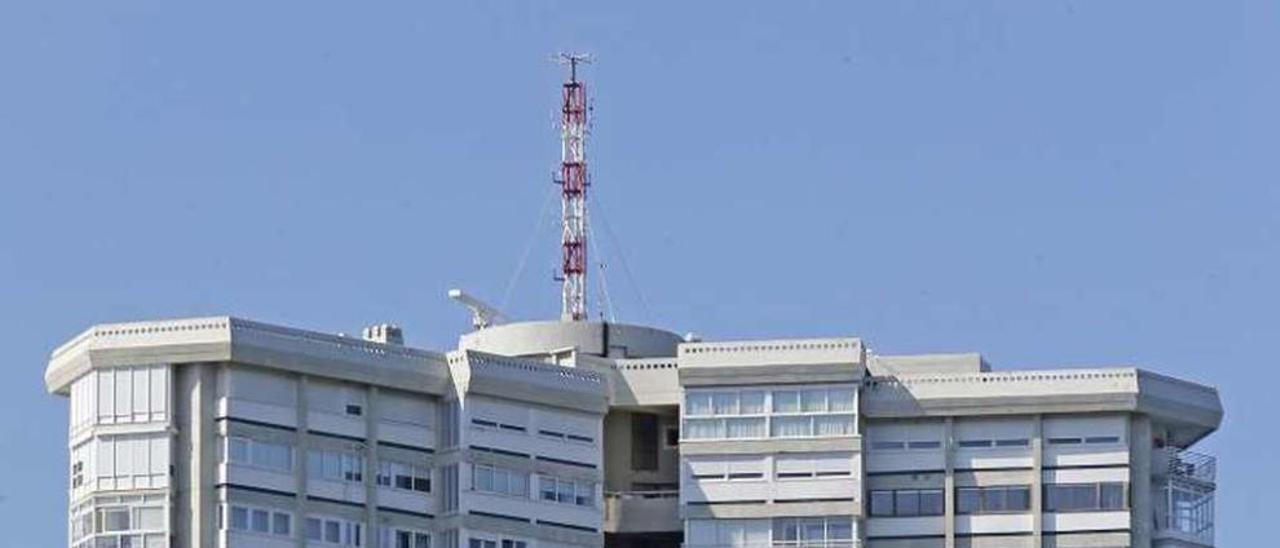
[[573, 182]]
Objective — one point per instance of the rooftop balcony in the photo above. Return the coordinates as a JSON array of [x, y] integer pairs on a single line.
[[642, 512], [1186, 482]]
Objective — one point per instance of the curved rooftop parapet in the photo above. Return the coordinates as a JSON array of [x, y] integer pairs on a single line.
[[1188, 410], [596, 338], [225, 339]]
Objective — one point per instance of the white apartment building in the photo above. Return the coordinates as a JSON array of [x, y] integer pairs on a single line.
[[224, 432]]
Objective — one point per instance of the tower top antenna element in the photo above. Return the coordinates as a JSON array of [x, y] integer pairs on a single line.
[[573, 183], [573, 60]]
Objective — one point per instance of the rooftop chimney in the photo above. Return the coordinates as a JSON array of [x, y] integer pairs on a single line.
[[384, 333]]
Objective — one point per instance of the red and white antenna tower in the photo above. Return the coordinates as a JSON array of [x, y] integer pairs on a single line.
[[573, 182]]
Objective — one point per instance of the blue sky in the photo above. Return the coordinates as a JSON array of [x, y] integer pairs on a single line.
[[1057, 183]]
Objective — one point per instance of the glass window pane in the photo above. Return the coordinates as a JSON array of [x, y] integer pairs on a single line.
[[239, 518], [749, 427], [703, 429], [238, 450], [968, 500], [751, 402], [1019, 499], [313, 529], [260, 521], [547, 487], [725, 403], [792, 427], [813, 400], [881, 503], [907, 503], [834, 425], [281, 523], [697, 403], [1113, 496], [841, 399], [787, 530], [786, 401], [839, 529], [932, 503], [332, 532], [150, 518]]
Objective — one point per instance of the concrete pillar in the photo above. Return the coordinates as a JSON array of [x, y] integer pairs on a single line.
[[1142, 515], [371, 465], [300, 471], [1037, 481], [195, 455], [949, 484]]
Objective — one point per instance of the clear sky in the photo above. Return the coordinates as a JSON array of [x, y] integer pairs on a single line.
[[1052, 183]]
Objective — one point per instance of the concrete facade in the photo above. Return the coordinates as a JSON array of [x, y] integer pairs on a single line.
[[224, 432]]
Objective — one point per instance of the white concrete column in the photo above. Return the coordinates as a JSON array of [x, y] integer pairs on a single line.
[[949, 483], [300, 471], [1037, 480]]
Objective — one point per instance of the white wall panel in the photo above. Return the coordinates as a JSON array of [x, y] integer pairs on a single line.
[[1086, 521], [993, 523], [905, 526]]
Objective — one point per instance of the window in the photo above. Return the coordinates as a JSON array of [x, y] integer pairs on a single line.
[[993, 500], [260, 520], [450, 415], [1084, 497], [405, 477], [449, 478], [828, 531], [503, 481], [562, 491], [335, 466], [354, 410], [260, 454], [486, 424], [752, 413], [989, 443], [561, 436], [907, 502], [403, 538], [813, 465], [77, 474], [334, 531], [487, 543], [1097, 440]]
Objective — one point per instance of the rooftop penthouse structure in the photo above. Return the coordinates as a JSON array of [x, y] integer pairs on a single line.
[[225, 432]]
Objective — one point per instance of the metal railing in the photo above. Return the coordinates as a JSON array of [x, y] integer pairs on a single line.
[[1194, 466]]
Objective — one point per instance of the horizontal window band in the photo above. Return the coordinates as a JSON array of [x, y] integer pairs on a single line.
[[566, 462], [903, 473], [568, 526], [499, 516], [724, 502], [251, 422], [260, 490], [1008, 534], [994, 469], [324, 434], [827, 499], [336, 501], [390, 510], [497, 451], [395, 445], [907, 537]]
